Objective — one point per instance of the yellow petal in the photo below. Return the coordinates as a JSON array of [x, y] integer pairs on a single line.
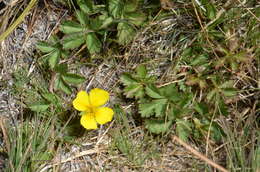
[[81, 102], [98, 97], [104, 115], [88, 121]]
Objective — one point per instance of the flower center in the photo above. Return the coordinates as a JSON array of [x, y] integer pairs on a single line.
[[91, 110]]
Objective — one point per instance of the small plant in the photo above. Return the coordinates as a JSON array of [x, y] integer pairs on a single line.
[[62, 78], [161, 107], [96, 22]]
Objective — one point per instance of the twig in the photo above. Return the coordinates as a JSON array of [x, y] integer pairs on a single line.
[[199, 155]]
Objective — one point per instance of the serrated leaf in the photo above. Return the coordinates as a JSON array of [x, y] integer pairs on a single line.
[[141, 71], [93, 43], [82, 18], [156, 107], [54, 39], [201, 108], [153, 92], [158, 126], [64, 87], [127, 79], [134, 90], [199, 60], [171, 92], [59, 84], [44, 47], [131, 6], [64, 53], [73, 78], [72, 42], [53, 58], [115, 8], [125, 33], [106, 22], [71, 27], [39, 106], [85, 5], [183, 129], [136, 18], [61, 68], [96, 23], [50, 97]]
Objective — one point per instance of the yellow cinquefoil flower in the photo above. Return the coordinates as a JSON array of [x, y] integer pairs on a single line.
[[90, 104]]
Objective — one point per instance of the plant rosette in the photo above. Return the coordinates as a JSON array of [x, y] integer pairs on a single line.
[[91, 106]]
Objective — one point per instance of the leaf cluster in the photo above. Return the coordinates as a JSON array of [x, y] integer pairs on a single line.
[[167, 106]]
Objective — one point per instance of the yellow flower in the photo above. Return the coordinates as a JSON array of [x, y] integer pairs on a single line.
[[90, 104]]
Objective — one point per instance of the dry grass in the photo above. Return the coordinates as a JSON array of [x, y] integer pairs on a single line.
[[123, 145]]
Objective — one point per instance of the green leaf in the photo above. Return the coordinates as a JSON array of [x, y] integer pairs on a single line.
[[134, 90], [93, 43], [39, 106], [51, 98], [199, 60], [96, 23], [59, 84], [171, 92], [125, 33], [86, 5], [153, 92], [61, 68], [82, 18], [211, 94], [54, 58], [127, 79], [156, 107], [183, 129], [106, 22], [141, 71], [44, 47], [72, 42], [131, 6], [216, 131], [137, 18], [158, 126], [211, 11], [223, 109], [73, 78], [115, 8], [201, 108], [64, 87], [71, 27], [54, 39]]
